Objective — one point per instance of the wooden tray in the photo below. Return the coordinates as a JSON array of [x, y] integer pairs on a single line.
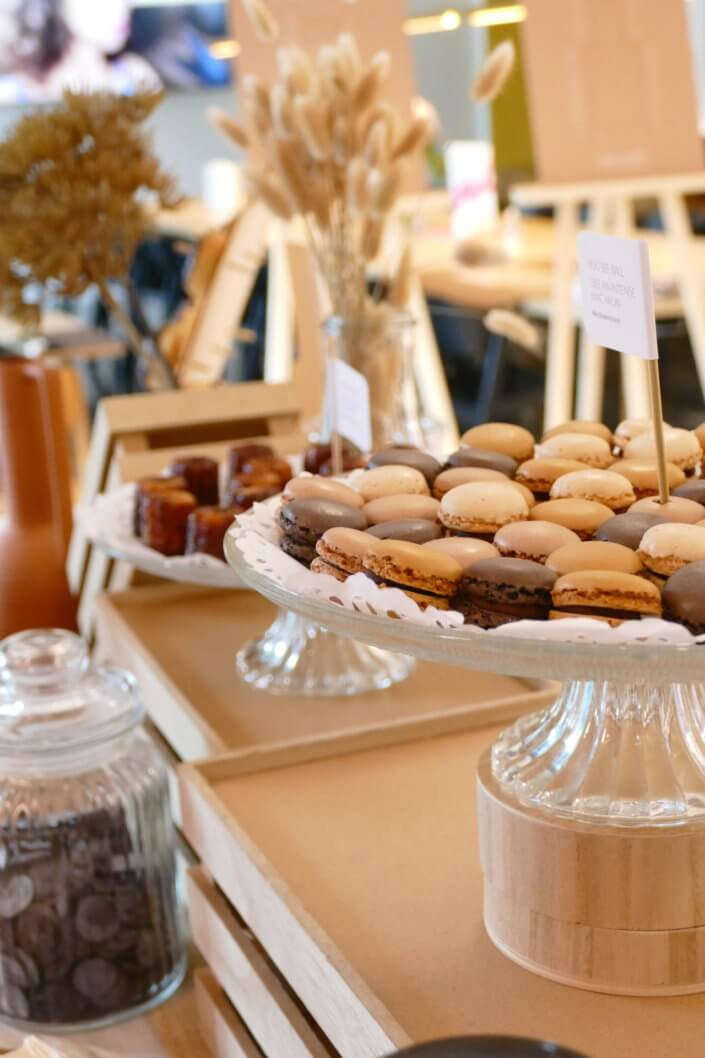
[[223, 1030], [180, 643], [358, 873]]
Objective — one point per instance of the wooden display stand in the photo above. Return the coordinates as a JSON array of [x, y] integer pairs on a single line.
[[611, 207]]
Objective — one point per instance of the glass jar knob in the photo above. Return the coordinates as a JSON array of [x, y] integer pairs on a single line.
[[43, 661]]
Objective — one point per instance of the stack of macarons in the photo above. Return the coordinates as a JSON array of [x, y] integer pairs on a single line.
[[508, 528]]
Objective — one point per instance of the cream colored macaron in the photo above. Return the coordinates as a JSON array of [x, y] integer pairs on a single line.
[[678, 509], [503, 437], [464, 549], [628, 429], [603, 486], [643, 475], [394, 508], [391, 480], [587, 426], [539, 474], [665, 549], [533, 540], [593, 451], [594, 554], [482, 507], [682, 447], [450, 479], [313, 487], [584, 517]]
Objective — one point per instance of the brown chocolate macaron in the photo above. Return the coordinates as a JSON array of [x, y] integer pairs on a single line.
[[496, 591], [303, 523], [427, 464], [481, 457], [684, 598], [627, 529], [411, 530]]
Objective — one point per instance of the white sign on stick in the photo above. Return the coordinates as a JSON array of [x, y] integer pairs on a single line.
[[617, 294], [348, 404]]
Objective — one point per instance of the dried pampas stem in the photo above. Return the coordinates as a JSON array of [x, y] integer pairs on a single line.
[[271, 194], [372, 238], [514, 327], [371, 81], [495, 73], [263, 21], [350, 54], [228, 127], [417, 135], [357, 185], [282, 112], [400, 286], [383, 187], [376, 148], [310, 118], [296, 70]]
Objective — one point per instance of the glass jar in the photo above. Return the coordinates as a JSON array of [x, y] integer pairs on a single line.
[[89, 927]]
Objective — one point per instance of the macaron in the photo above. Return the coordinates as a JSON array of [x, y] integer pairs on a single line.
[[627, 529], [585, 448], [396, 507], [427, 577], [684, 598], [391, 480], [602, 486], [682, 448], [496, 591], [340, 552], [539, 474], [609, 594], [503, 437], [482, 507], [466, 550], [412, 530], [699, 432], [481, 457], [586, 426], [678, 509], [628, 429], [666, 548], [533, 540], [405, 456], [593, 554], [454, 476], [312, 486], [304, 522], [693, 489], [643, 476], [584, 517]]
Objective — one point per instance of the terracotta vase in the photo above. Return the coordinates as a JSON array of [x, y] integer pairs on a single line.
[[35, 475]]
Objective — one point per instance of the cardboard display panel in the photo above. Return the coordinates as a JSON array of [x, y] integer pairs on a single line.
[[611, 89]]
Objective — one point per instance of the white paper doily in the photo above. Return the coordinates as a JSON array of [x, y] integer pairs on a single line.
[[108, 521]]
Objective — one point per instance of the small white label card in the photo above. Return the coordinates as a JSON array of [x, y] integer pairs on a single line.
[[348, 404], [617, 294]]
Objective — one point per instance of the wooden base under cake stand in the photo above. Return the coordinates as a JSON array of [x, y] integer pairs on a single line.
[[616, 909]]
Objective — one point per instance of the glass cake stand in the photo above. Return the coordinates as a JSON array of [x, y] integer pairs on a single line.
[[624, 741]]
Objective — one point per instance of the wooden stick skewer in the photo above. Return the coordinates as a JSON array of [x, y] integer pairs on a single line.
[[657, 416]]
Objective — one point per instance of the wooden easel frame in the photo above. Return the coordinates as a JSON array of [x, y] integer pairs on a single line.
[[611, 206]]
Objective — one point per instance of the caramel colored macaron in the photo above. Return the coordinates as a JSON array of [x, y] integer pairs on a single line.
[[503, 437], [678, 509], [586, 426], [466, 550], [643, 475], [394, 508], [628, 429], [602, 486], [666, 548], [311, 486], [340, 552], [454, 476], [594, 554], [585, 448], [426, 576], [539, 474], [533, 540], [605, 593], [584, 517], [391, 480], [482, 507], [682, 448]]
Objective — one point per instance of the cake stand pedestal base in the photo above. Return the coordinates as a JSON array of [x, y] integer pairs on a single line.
[[616, 909]]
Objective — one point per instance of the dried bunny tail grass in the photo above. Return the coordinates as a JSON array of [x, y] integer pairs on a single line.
[[312, 125], [271, 194], [494, 74], [371, 81], [379, 112], [282, 112], [400, 286], [376, 149], [341, 139], [263, 21], [254, 90], [227, 127], [350, 55], [383, 186], [292, 171], [419, 133], [516, 328], [258, 116], [335, 76], [372, 234], [357, 185], [296, 70]]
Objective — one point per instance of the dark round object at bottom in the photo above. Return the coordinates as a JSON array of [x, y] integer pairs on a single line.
[[407, 457], [627, 529], [693, 489], [481, 457], [412, 530], [488, 1047], [684, 598]]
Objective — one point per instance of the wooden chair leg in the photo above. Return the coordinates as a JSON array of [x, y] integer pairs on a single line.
[[560, 355], [493, 366], [635, 382], [591, 358], [690, 281]]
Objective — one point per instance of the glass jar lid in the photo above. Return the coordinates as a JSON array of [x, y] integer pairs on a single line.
[[52, 700]]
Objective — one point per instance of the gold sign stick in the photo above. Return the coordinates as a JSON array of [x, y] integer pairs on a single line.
[[657, 416]]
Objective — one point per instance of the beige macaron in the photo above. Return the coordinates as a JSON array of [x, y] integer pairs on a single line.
[[504, 437], [587, 426], [340, 552], [539, 474], [682, 448], [585, 448], [450, 479], [603, 486], [466, 550], [311, 486], [482, 507], [678, 509], [628, 429], [594, 554], [584, 517], [391, 480], [605, 593], [665, 549], [394, 508], [533, 540], [643, 475]]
